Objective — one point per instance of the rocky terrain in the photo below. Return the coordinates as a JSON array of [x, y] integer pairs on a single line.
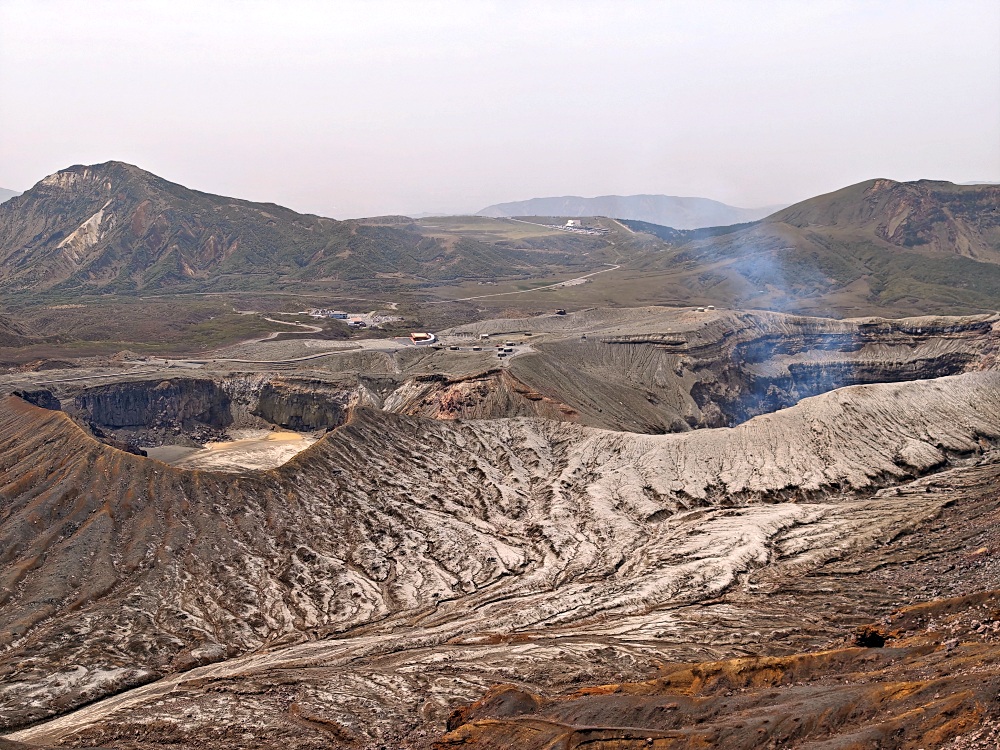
[[659, 370], [611, 473], [403, 566], [650, 370], [11, 333], [918, 677]]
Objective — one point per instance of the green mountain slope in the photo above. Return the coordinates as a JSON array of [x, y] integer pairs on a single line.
[[932, 217], [900, 247], [116, 228], [879, 247]]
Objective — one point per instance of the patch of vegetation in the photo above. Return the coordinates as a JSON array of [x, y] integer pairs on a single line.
[[151, 326], [166, 238]]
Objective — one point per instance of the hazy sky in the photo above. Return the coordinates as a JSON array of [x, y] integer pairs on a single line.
[[352, 109]]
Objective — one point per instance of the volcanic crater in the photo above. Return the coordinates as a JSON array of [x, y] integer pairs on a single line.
[[652, 494]]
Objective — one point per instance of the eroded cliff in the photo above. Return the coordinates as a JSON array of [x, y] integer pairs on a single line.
[[399, 540]]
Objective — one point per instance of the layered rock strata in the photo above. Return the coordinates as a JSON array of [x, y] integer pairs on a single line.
[[409, 557]]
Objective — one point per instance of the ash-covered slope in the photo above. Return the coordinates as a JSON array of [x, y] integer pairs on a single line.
[[668, 370], [115, 227], [393, 537], [649, 370], [13, 333]]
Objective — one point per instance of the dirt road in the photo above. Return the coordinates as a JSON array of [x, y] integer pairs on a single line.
[[568, 282]]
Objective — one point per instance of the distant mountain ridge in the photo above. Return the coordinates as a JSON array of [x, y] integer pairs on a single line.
[[667, 210], [116, 228], [6, 195]]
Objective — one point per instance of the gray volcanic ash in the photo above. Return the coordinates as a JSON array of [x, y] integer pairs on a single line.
[[427, 545]]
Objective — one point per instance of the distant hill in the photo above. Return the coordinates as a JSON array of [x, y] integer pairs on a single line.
[[666, 210], [116, 228], [937, 218], [879, 246], [6, 195], [12, 333], [923, 245]]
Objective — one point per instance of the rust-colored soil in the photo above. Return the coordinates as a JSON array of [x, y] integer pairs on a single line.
[[937, 677]]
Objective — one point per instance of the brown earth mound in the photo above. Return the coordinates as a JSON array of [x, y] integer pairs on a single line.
[[937, 677]]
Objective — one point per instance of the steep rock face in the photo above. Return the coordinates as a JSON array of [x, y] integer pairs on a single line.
[[164, 404], [721, 368], [775, 370], [396, 533], [41, 397], [303, 405], [490, 395], [181, 409], [687, 370]]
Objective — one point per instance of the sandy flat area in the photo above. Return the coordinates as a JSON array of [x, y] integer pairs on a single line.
[[254, 449]]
